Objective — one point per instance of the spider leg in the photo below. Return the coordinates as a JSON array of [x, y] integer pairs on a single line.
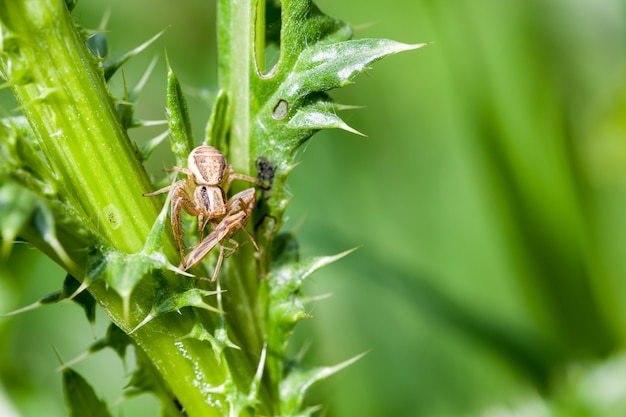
[[179, 169], [177, 221], [232, 175], [159, 191], [182, 199]]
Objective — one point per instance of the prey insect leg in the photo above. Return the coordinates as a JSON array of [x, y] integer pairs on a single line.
[[239, 210]]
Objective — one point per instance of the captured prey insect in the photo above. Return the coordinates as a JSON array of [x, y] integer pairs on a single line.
[[239, 210], [203, 193]]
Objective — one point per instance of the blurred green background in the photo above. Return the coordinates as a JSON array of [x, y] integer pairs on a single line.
[[489, 199]]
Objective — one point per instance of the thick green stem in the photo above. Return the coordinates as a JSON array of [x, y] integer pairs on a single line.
[[241, 41], [70, 110], [235, 46]]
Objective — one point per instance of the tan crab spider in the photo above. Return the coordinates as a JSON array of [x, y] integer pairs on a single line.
[[202, 194], [239, 210]]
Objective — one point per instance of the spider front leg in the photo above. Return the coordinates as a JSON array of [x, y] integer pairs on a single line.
[[180, 200], [179, 195], [231, 175]]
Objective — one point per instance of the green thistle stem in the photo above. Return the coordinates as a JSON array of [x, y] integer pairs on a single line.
[[71, 112]]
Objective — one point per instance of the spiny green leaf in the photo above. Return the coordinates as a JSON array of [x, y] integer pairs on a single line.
[[19, 72], [16, 208], [126, 107], [80, 397], [289, 277], [110, 67], [304, 24], [115, 339], [96, 40], [21, 158], [298, 92], [258, 376], [44, 223], [219, 341], [286, 306], [178, 119], [219, 123], [289, 104], [193, 297], [70, 289], [146, 148], [297, 382], [326, 66], [319, 115], [74, 289], [21, 208], [98, 46], [51, 298], [123, 271]]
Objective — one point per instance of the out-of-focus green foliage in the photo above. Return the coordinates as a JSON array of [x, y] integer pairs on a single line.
[[488, 198]]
